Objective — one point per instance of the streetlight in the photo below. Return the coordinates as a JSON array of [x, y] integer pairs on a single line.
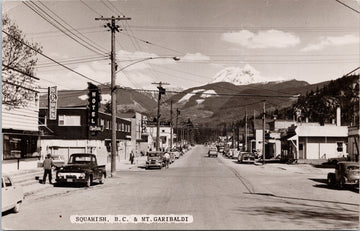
[[148, 58], [113, 107]]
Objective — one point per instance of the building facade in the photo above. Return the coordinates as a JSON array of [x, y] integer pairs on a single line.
[[69, 133], [20, 136], [164, 136]]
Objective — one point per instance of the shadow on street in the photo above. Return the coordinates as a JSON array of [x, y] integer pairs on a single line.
[[302, 199], [325, 185]]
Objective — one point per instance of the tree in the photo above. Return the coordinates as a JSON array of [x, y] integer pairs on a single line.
[[19, 87]]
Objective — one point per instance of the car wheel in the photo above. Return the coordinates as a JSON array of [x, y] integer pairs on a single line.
[[89, 181], [102, 179], [330, 181], [341, 184], [16, 209]]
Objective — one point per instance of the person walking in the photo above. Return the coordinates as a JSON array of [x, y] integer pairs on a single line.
[[167, 159], [132, 157], [48, 164]]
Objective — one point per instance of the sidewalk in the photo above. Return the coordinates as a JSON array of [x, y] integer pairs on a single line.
[[125, 165], [27, 178]]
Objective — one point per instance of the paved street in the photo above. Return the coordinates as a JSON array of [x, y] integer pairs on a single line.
[[217, 192]]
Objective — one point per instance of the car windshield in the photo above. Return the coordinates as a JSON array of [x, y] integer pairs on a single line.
[[353, 167], [154, 154], [80, 159]]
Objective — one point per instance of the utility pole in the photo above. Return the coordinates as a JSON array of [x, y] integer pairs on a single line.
[[245, 143], [233, 135], [177, 130], [161, 92], [171, 124], [263, 138], [113, 28]]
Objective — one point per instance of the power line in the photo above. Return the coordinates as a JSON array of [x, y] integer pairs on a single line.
[[90, 41], [92, 9], [20, 86], [20, 71], [71, 62], [348, 6], [37, 51], [43, 15], [151, 43]]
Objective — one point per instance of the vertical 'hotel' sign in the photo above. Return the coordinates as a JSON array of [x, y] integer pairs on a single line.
[[52, 104]]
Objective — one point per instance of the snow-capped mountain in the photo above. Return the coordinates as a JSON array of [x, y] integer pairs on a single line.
[[238, 76]]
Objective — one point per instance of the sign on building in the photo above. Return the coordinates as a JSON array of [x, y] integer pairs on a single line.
[[94, 102], [52, 102]]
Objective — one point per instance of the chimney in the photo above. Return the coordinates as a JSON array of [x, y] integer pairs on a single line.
[[338, 116]]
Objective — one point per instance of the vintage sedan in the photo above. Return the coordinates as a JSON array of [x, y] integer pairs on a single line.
[[212, 152], [11, 196], [346, 173], [155, 159], [246, 157]]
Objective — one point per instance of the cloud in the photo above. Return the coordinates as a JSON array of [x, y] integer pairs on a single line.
[[325, 41], [195, 57], [262, 39]]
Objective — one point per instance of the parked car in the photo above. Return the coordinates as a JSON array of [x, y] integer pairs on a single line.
[[155, 159], [172, 157], [221, 149], [212, 152], [177, 153], [12, 196], [346, 173], [246, 157], [81, 168]]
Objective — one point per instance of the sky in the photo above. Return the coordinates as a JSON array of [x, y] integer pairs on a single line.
[[309, 40]]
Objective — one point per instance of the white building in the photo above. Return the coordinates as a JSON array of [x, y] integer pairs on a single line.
[[20, 135], [164, 134]]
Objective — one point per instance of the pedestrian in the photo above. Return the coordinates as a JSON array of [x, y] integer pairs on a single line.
[[132, 157], [167, 159], [48, 164]]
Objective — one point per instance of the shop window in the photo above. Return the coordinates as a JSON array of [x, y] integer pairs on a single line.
[[301, 147], [67, 120], [7, 181], [42, 120], [340, 146], [19, 146]]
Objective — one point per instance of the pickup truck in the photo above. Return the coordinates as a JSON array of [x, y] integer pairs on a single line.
[[81, 168], [346, 173]]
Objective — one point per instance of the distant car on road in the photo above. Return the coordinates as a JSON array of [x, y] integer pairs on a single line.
[[11, 196], [212, 152], [155, 159], [346, 173]]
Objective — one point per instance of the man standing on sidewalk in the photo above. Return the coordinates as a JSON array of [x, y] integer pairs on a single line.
[[48, 163]]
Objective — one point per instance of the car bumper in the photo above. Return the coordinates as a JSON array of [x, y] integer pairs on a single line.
[[70, 180]]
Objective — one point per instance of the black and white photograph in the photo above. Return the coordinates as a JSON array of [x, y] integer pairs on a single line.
[[180, 114]]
